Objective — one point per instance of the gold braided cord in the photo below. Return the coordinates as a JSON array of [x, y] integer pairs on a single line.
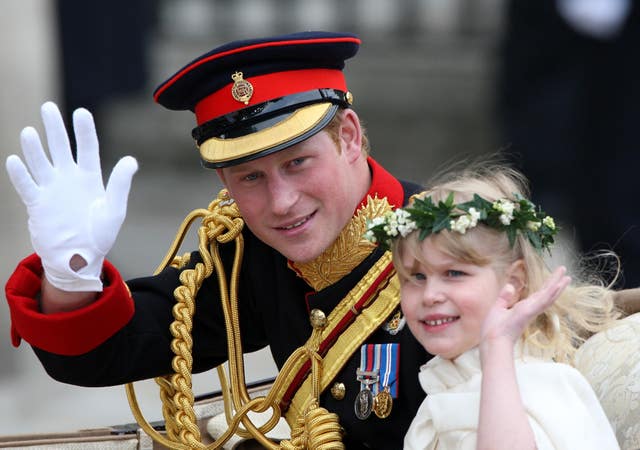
[[177, 396], [167, 390], [224, 387], [168, 406], [228, 407], [229, 296], [144, 424], [221, 223], [215, 228], [180, 235], [239, 394], [316, 428]]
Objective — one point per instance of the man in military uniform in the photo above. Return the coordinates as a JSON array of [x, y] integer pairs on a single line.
[[274, 119]]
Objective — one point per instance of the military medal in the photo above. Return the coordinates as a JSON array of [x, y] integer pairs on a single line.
[[378, 374], [364, 400], [382, 403], [363, 404]]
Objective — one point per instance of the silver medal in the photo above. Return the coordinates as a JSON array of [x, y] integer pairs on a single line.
[[363, 404]]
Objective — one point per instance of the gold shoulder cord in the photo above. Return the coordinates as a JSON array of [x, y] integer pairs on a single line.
[[313, 427]]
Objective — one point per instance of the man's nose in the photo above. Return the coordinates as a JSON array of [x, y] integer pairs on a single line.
[[283, 195]]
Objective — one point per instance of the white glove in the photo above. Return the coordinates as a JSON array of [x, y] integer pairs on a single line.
[[70, 211]]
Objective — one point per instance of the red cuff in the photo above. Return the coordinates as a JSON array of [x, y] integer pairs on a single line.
[[68, 333]]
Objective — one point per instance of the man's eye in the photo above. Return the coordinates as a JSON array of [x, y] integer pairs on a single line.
[[296, 162], [250, 177]]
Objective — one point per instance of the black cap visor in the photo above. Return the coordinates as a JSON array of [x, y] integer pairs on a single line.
[[263, 129]]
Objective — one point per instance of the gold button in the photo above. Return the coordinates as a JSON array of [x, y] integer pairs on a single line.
[[338, 391], [349, 98], [318, 319]]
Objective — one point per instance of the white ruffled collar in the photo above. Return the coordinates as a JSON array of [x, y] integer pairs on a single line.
[[440, 374]]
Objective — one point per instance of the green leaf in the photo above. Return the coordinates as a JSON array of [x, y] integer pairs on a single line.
[[511, 233]]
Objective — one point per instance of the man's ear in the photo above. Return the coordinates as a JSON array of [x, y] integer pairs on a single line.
[[351, 134], [516, 275]]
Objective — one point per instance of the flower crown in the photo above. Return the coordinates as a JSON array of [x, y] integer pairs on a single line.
[[512, 217]]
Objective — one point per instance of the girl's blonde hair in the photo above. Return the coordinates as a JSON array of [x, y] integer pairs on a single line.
[[585, 307]]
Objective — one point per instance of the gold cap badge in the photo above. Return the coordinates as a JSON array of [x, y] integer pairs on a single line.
[[241, 90]]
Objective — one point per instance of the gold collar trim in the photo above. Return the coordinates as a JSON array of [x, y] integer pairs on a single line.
[[347, 251]]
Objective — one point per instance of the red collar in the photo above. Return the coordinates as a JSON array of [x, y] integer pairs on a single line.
[[383, 184]]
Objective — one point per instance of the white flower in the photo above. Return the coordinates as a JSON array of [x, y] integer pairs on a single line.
[[398, 221], [466, 221], [548, 221], [407, 228], [377, 221], [370, 236], [391, 230], [534, 226], [461, 224], [506, 207], [474, 215], [401, 215]]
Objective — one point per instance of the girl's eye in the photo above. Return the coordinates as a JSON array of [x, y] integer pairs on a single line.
[[454, 273], [418, 276]]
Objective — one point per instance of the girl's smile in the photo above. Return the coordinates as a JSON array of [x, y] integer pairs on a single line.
[[445, 301]]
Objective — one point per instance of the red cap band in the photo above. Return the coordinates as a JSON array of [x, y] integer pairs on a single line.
[[269, 87]]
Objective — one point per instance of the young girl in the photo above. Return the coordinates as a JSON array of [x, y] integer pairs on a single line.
[[477, 293]]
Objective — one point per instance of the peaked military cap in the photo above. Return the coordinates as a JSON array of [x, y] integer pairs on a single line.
[[255, 97]]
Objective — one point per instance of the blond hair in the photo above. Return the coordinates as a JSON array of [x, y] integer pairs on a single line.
[[585, 307]]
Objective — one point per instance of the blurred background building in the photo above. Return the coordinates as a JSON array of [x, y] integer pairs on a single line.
[[424, 83]]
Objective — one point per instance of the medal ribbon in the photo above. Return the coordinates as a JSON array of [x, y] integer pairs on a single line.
[[381, 359], [374, 299], [368, 375]]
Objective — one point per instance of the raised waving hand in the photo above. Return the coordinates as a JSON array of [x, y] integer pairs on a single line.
[[510, 322], [73, 219], [503, 421]]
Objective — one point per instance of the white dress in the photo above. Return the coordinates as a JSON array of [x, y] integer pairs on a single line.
[[563, 410]]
